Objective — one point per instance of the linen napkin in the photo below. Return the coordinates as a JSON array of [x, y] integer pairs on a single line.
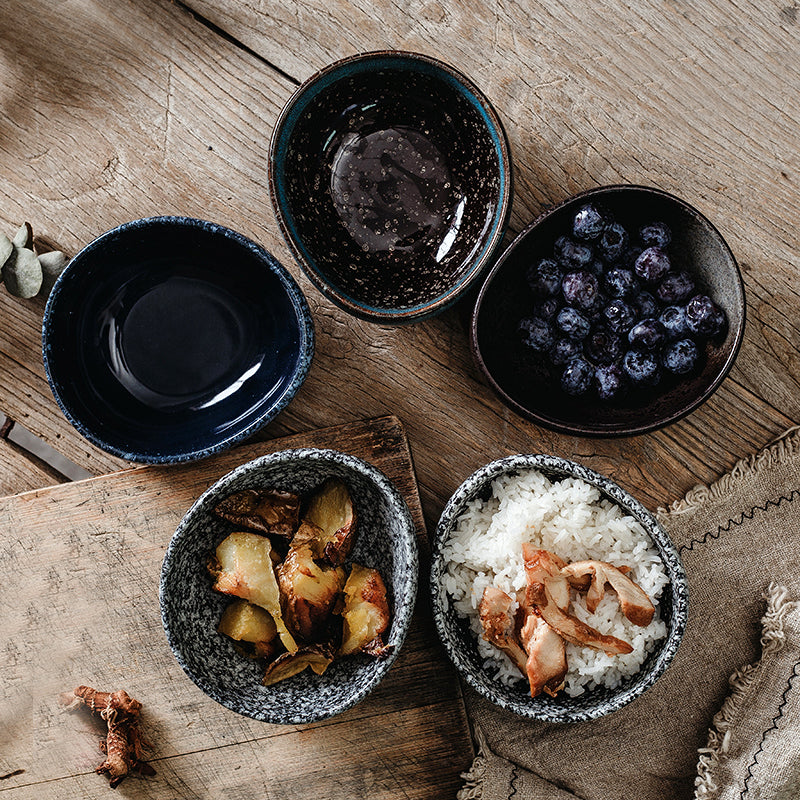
[[740, 544]]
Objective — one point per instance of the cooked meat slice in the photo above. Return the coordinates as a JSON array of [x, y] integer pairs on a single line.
[[544, 586], [264, 510], [331, 510], [497, 619], [633, 600], [546, 666]]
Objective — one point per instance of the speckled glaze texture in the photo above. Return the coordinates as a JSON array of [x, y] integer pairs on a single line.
[[523, 380], [460, 643], [391, 179], [169, 339], [190, 610]]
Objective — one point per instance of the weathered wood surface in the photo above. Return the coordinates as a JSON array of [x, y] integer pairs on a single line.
[[80, 606], [141, 108]]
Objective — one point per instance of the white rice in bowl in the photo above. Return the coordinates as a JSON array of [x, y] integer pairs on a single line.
[[572, 519]]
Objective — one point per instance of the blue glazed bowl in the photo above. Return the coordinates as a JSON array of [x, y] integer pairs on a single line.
[[390, 175], [168, 339], [385, 540], [459, 641]]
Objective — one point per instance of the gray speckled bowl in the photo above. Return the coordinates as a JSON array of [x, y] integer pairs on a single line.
[[460, 643], [190, 610], [390, 175]]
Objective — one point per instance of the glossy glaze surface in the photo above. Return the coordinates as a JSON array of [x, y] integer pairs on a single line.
[[523, 380], [168, 338], [391, 180]]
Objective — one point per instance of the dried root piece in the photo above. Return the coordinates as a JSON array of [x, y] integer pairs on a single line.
[[316, 656], [365, 614], [243, 568], [331, 510], [124, 743], [265, 510], [309, 589], [244, 622]]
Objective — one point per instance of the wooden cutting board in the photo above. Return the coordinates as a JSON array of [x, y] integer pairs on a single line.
[[79, 605]]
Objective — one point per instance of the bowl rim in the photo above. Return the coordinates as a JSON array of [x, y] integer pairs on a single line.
[[385, 315], [670, 557], [400, 624], [297, 300], [587, 429]]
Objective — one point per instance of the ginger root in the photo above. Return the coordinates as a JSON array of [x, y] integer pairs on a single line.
[[124, 742]]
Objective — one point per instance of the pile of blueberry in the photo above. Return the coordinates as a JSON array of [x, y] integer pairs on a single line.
[[612, 313]]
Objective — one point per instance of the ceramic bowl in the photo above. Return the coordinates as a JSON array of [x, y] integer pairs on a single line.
[[385, 540], [524, 380], [390, 176], [168, 339], [460, 643]]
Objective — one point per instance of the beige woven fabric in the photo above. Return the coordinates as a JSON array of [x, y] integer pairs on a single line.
[[736, 538]]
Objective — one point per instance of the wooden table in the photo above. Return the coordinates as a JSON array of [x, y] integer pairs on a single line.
[[116, 110]]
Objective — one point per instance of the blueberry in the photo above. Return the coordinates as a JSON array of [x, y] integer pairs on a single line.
[[645, 305], [648, 334], [580, 289], [588, 223], [655, 234], [620, 282], [673, 318], [547, 308], [572, 254], [602, 346], [641, 367], [652, 265], [572, 323], [564, 350], [630, 255], [577, 377], [544, 278], [680, 357], [536, 333], [676, 288], [704, 316], [613, 242], [619, 316], [610, 382], [596, 267]]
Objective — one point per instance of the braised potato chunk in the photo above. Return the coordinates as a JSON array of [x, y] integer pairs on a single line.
[[331, 510], [308, 588], [366, 613], [243, 568], [264, 510], [244, 622]]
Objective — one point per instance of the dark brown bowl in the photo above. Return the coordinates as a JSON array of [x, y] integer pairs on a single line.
[[390, 176], [525, 382]]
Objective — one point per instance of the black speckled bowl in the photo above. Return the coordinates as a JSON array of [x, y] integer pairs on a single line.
[[390, 176], [460, 643], [190, 610], [523, 379], [170, 338]]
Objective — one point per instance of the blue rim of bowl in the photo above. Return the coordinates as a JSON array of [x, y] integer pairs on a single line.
[[399, 506], [295, 106], [299, 304], [669, 554], [645, 428]]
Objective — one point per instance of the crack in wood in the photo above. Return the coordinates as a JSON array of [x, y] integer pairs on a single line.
[[212, 26], [11, 774]]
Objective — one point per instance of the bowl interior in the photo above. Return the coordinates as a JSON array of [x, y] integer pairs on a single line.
[[460, 642], [389, 176], [526, 382], [386, 541], [166, 337]]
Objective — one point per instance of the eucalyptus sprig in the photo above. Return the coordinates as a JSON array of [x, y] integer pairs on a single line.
[[25, 273]]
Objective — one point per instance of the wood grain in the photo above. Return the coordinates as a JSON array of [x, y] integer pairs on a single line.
[[138, 109], [21, 471], [80, 606]]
